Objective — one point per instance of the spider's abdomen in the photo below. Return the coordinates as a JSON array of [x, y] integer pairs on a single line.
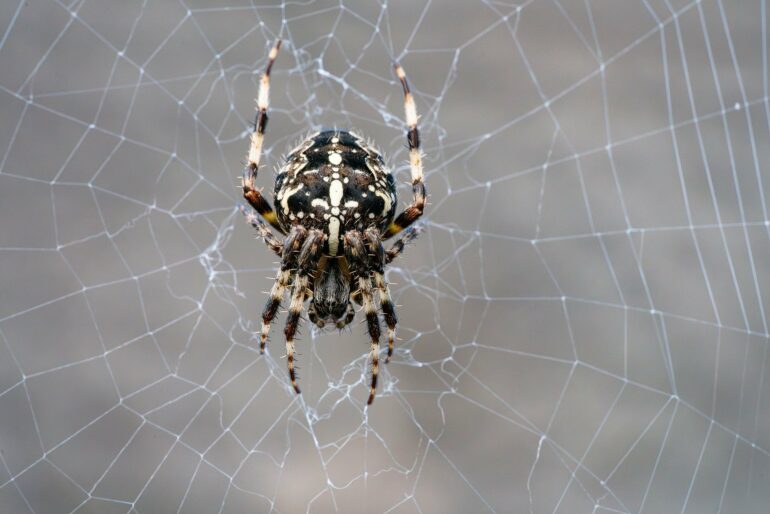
[[334, 181]]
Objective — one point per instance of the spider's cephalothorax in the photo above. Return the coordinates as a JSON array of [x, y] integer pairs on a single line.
[[335, 203]]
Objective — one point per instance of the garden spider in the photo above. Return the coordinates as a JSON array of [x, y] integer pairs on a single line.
[[336, 204]]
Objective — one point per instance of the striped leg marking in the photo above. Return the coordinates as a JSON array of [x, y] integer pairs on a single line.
[[250, 192], [398, 247], [355, 251], [373, 327], [292, 322], [291, 246], [415, 210], [388, 312], [377, 256], [307, 261]]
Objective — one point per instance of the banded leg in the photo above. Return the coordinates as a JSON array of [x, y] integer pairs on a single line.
[[250, 193], [357, 258], [377, 261], [414, 211], [398, 247], [267, 236], [291, 246], [307, 262]]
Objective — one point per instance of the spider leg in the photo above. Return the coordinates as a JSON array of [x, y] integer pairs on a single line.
[[291, 245], [414, 211], [377, 267], [267, 236], [307, 262], [250, 193], [357, 258], [399, 246]]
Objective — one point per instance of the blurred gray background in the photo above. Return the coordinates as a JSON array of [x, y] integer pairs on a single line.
[[583, 323]]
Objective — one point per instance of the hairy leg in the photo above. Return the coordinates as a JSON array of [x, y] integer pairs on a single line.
[[307, 262], [355, 251], [415, 210], [267, 236], [377, 269], [250, 192], [291, 246]]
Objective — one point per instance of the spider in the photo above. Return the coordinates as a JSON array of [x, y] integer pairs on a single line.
[[336, 204]]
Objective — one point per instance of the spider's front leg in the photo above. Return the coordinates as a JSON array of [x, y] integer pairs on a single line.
[[355, 251], [250, 192], [307, 263]]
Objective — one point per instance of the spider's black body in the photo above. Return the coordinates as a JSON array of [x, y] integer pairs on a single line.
[[335, 182], [335, 203]]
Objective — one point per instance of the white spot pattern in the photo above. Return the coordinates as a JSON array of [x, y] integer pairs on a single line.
[[335, 192], [334, 235], [320, 202]]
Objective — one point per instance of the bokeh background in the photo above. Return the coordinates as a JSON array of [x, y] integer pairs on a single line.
[[583, 322]]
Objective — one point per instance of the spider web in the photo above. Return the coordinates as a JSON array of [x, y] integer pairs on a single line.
[[583, 322]]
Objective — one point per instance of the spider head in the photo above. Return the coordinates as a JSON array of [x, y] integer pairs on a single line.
[[331, 296]]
